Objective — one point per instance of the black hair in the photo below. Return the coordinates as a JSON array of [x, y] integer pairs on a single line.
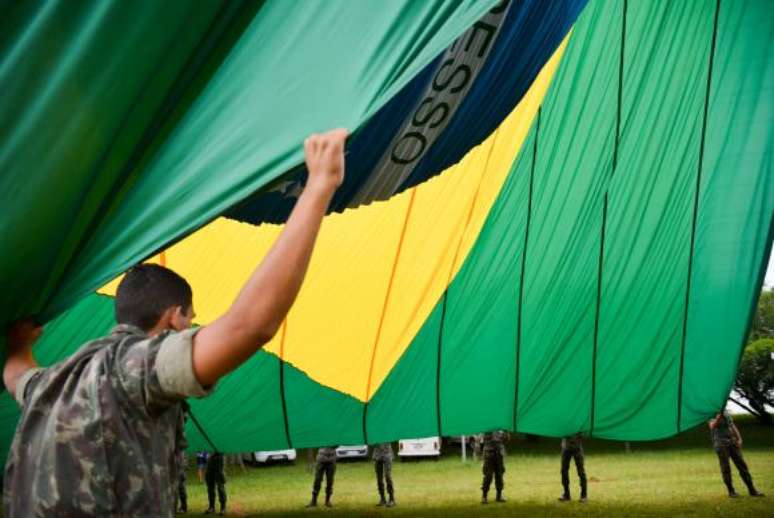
[[146, 292]]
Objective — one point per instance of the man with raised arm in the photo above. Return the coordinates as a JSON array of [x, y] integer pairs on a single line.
[[96, 435], [727, 442]]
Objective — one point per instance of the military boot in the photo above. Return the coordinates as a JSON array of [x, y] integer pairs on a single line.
[[391, 501], [730, 486], [749, 483], [313, 501], [483, 497], [499, 497]]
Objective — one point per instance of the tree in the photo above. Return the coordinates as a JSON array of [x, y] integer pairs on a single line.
[[755, 378], [763, 321]]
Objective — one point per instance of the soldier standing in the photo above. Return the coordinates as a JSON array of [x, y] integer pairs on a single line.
[[215, 477], [727, 442], [383, 465], [572, 448], [326, 465], [493, 451]]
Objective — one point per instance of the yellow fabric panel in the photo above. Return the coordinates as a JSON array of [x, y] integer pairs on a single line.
[[331, 332], [332, 325], [447, 217]]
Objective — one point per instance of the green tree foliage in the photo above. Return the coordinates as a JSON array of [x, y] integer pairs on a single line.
[[763, 321], [755, 378]]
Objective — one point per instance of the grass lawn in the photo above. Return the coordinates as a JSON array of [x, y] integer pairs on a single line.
[[679, 476]]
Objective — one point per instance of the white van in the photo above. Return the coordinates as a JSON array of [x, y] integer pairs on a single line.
[[424, 447], [358, 451], [265, 457]]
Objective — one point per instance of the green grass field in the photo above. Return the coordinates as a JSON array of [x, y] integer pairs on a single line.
[[677, 477]]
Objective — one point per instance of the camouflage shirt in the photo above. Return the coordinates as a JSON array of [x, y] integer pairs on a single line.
[[383, 451], [493, 442], [572, 442], [326, 454], [721, 434], [97, 432]]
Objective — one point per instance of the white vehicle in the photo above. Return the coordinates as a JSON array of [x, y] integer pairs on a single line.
[[424, 447], [357, 451], [264, 457]]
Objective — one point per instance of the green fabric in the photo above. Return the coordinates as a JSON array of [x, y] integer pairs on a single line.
[[647, 243], [224, 411], [736, 206], [635, 376], [112, 147]]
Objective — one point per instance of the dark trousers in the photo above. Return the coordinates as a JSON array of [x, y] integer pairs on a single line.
[[568, 455], [182, 495], [328, 469], [726, 451], [214, 481], [494, 466], [384, 474]]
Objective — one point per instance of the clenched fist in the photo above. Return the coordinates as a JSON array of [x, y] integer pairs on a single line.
[[324, 154]]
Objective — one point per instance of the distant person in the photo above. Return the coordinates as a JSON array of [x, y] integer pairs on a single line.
[[572, 448], [325, 466], [383, 465], [215, 477], [727, 442], [182, 460], [201, 464], [110, 410], [493, 451]]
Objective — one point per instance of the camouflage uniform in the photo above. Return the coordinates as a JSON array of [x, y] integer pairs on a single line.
[[96, 435], [493, 451], [572, 448], [725, 446], [326, 465], [182, 459], [382, 456], [215, 477]]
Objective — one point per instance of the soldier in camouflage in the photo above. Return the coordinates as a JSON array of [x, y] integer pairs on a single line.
[[727, 442], [382, 456], [493, 451], [96, 434], [105, 464], [215, 478], [572, 448], [182, 459], [324, 466]]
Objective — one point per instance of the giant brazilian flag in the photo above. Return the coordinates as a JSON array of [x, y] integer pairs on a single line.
[[555, 220]]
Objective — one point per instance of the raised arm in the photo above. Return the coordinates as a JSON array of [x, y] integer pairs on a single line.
[[264, 301], [21, 336]]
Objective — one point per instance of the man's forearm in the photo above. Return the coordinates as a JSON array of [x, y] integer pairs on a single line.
[[264, 301]]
